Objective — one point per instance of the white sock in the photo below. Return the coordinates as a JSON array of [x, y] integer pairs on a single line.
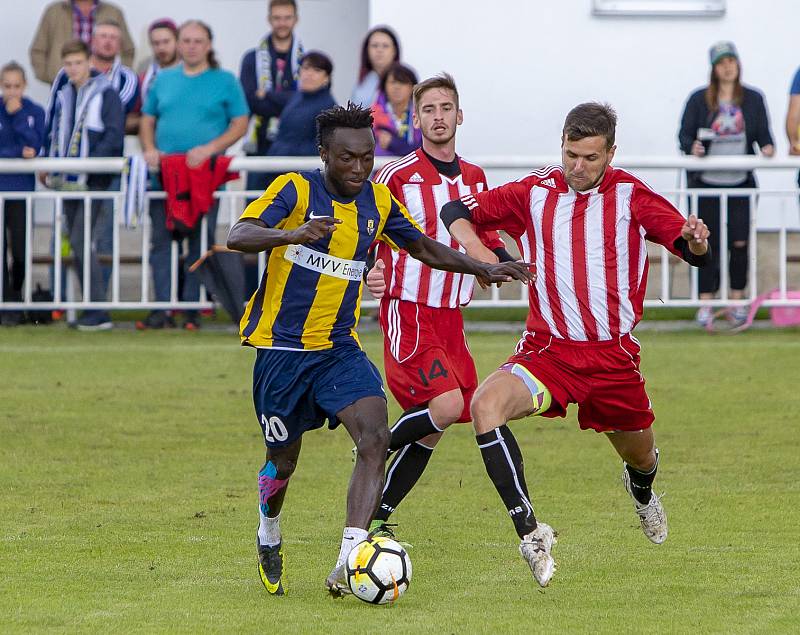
[[269, 529], [350, 538]]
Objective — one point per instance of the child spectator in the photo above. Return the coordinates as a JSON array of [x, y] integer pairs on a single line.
[[87, 121], [21, 132]]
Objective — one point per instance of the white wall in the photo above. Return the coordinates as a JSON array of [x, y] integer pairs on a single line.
[[333, 26], [521, 65]]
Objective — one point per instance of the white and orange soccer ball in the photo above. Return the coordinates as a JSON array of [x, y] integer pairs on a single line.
[[378, 570]]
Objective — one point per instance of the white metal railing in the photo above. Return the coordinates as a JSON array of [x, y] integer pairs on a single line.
[[233, 201]]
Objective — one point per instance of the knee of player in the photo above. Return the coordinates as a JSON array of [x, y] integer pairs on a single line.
[[739, 244], [484, 409], [373, 442], [447, 408], [284, 465]]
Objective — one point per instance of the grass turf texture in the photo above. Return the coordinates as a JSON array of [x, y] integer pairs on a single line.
[[129, 461]]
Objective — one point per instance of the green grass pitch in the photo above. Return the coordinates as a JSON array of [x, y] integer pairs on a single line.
[[128, 470]]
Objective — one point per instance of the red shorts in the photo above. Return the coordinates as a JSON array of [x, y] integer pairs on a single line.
[[603, 378], [425, 353]]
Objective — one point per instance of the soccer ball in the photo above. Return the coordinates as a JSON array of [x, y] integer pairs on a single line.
[[378, 570]]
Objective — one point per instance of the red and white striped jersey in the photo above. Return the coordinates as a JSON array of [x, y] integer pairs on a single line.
[[589, 248], [418, 185]]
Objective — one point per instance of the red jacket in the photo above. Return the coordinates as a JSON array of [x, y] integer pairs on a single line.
[[190, 191]]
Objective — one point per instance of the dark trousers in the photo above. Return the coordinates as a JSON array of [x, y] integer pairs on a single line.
[[738, 232], [14, 244]]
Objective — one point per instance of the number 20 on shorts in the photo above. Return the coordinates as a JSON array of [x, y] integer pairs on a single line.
[[274, 429]]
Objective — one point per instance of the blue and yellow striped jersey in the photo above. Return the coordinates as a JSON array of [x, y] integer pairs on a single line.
[[310, 295]]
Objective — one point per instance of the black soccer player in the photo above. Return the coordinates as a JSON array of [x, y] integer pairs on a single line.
[[318, 226]]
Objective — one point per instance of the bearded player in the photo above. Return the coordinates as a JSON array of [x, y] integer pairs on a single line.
[[428, 365]]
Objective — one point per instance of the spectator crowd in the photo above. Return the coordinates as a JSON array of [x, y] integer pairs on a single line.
[[187, 111]]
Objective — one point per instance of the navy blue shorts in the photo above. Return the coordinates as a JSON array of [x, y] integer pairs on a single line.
[[295, 391]]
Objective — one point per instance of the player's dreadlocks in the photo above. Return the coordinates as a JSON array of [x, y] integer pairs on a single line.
[[350, 116]]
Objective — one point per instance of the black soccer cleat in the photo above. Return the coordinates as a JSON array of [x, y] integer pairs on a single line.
[[271, 568]]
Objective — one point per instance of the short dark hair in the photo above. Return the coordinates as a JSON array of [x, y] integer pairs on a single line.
[[163, 23], [282, 3], [591, 119], [318, 60], [13, 67], [443, 80], [350, 116], [75, 46], [401, 73]]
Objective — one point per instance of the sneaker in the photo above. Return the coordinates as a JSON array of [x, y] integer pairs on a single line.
[[652, 516], [704, 317], [11, 318], [271, 569], [191, 321], [337, 582], [382, 529], [156, 320], [94, 321], [737, 315], [535, 549]]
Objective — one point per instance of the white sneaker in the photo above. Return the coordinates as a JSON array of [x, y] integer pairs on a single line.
[[535, 548], [652, 516], [704, 317], [337, 582]]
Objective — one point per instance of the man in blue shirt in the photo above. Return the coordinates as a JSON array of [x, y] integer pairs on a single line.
[[199, 110], [21, 132]]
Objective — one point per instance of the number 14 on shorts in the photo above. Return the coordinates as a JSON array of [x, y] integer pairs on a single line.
[[437, 370], [274, 429]]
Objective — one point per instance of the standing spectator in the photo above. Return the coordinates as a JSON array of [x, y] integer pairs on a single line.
[[163, 36], [21, 132], [793, 119], [730, 118], [66, 20], [380, 49], [297, 134], [105, 58], [199, 110], [393, 112], [87, 121], [269, 76]]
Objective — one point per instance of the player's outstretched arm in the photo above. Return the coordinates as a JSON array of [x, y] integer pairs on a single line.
[[252, 236], [439, 256]]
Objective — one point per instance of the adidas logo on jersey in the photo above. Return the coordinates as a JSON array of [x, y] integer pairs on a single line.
[[548, 182], [416, 178]]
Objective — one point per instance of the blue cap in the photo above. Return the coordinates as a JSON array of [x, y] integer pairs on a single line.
[[720, 50]]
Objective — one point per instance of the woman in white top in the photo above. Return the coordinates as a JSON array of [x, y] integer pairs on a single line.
[[379, 51]]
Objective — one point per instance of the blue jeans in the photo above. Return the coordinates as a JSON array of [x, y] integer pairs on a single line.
[[161, 251], [104, 238], [74, 213]]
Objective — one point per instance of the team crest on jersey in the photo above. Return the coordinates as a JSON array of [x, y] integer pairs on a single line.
[[370, 226]]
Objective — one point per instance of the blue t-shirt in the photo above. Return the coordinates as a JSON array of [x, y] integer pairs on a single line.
[[795, 89], [191, 110]]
